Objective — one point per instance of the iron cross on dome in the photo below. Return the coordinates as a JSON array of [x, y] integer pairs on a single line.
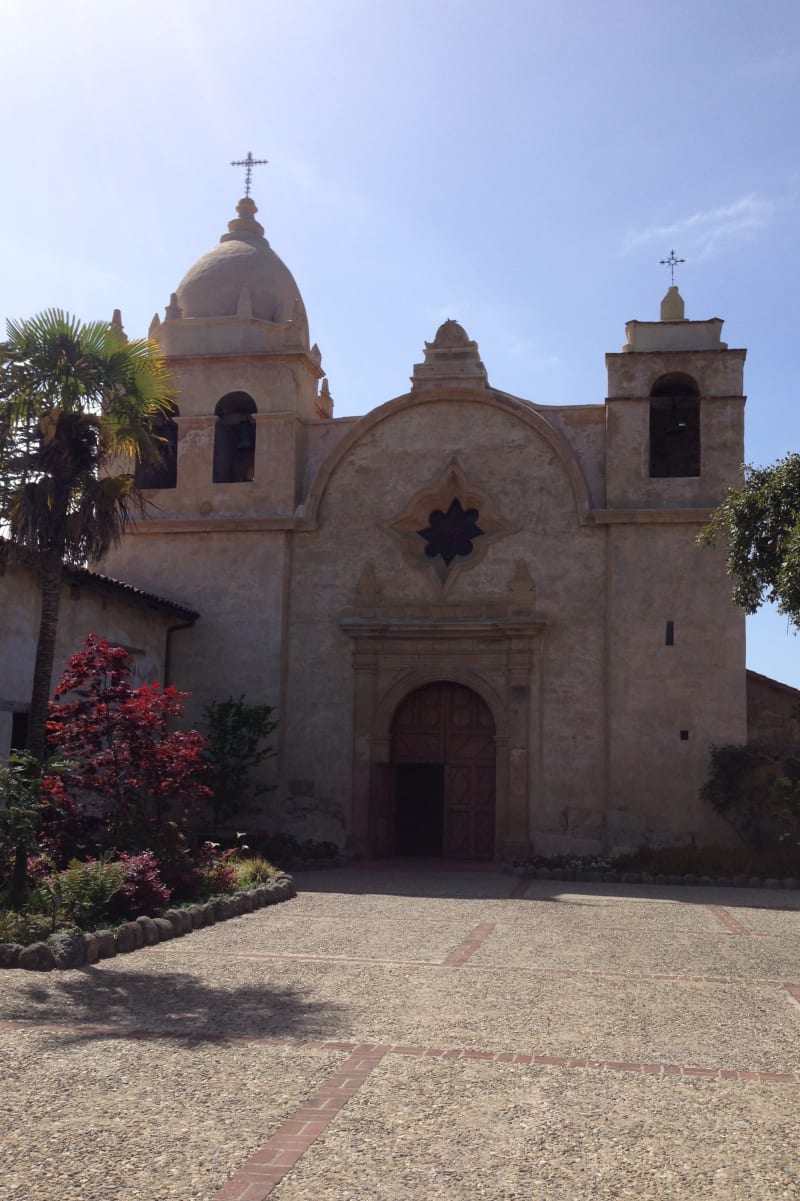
[[249, 163], [672, 263]]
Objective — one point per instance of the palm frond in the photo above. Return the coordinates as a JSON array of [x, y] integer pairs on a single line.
[[74, 398]]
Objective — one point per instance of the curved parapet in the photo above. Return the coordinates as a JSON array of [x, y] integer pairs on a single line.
[[521, 410]]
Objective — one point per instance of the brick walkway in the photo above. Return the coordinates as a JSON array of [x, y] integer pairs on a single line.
[[398, 1035]]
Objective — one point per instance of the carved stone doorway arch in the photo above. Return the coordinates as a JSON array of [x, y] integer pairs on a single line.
[[439, 797], [491, 649]]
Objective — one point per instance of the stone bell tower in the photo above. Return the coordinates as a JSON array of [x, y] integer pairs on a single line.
[[674, 422], [674, 414], [235, 335], [222, 503]]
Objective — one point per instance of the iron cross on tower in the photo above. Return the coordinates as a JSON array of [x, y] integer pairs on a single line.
[[249, 163], [672, 263]]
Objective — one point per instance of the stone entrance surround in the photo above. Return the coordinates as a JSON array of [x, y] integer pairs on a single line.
[[492, 650]]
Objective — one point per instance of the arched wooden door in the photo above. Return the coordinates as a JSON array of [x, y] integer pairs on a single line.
[[442, 795]]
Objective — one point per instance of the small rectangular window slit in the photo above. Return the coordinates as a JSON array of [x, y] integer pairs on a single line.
[[669, 637], [684, 735]]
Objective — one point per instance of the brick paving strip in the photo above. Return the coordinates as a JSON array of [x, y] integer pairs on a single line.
[[530, 969], [257, 1177], [466, 949], [731, 924], [367, 1052], [268, 1166]]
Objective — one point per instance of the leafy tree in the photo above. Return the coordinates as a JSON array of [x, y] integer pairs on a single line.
[[756, 790], [75, 401], [761, 524], [20, 818], [124, 762], [236, 737], [23, 808]]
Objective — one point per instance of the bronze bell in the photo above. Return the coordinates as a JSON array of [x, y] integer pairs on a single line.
[[247, 435], [677, 424]]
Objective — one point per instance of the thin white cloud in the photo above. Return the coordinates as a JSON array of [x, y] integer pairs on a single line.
[[706, 233]]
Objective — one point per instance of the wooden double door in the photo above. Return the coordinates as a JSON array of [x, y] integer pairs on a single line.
[[436, 797]]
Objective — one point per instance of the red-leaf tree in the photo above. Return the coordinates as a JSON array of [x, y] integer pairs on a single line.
[[126, 764]]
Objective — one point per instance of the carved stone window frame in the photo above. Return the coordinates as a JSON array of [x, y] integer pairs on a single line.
[[451, 485]]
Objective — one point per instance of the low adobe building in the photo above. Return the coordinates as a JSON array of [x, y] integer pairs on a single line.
[[91, 603]]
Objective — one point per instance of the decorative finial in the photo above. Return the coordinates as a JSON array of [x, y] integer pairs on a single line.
[[522, 590], [672, 307], [116, 323], [173, 311], [672, 263], [324, 400], [245, 228], [368, 589], [248, 163]]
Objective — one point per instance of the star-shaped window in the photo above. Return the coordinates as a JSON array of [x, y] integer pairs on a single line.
[[451, 533], [439, 528]]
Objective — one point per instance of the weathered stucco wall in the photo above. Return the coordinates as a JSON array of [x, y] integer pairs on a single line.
[[506, 461], [84, 610], [584, 429], [773, 712], [235, 580], [657, 574]]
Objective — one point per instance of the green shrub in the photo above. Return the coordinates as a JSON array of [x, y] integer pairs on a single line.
[[756, 789], [281, 849], [236, 744], [778, 862], [250, 872], [277, 848], [87, 889], [24, 928]]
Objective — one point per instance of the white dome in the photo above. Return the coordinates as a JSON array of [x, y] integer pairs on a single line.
[[243, 276]]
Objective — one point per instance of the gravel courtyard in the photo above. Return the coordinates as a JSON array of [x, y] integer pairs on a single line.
[[400, 1035]]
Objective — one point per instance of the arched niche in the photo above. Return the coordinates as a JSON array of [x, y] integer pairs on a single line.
[[161, 471], [234, 439], [674, 427]]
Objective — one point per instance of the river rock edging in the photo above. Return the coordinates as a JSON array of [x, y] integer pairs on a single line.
[[66, 949]]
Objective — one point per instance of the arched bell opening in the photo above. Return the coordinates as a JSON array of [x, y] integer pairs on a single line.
[[160, 469], [674, 427], [439, 799], [234, 439]]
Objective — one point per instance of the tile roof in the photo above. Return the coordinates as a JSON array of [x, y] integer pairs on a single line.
[[83, 577]]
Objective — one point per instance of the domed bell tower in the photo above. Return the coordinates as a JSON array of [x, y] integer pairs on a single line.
[[222, 501], [235, 335]]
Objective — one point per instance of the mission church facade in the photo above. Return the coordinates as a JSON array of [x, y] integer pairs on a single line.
[[484, 622]]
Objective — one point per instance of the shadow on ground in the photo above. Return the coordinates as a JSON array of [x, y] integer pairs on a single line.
[[174, 1004], [456, 880]]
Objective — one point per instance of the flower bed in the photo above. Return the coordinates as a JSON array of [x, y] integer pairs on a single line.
[[73, 948], [721, 867]]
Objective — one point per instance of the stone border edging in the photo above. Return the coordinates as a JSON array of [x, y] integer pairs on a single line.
[[75, 948], [581, 875]]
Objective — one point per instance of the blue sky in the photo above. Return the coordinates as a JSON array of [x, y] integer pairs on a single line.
[[521, 167]]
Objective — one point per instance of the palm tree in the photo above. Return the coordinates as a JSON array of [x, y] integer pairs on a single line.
[[76, 403]]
